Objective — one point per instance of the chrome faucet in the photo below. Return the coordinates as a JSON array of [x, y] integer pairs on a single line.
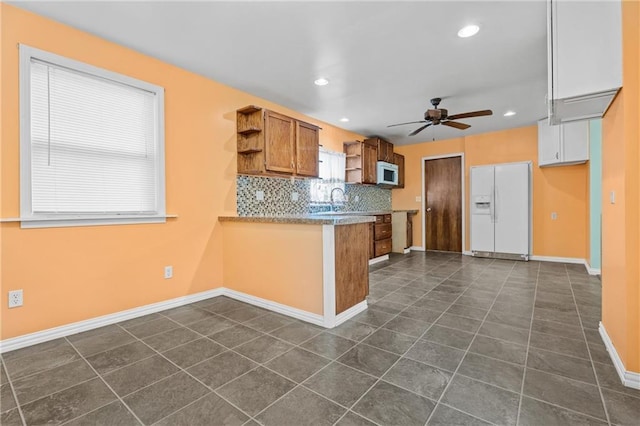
[[331, 196]]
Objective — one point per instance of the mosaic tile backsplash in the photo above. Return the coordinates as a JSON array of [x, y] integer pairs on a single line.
[[277, 197]]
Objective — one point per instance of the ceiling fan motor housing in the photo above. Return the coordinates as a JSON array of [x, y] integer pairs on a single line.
[[436, 114]]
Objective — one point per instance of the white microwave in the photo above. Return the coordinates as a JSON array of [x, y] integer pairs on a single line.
[[387, 173]]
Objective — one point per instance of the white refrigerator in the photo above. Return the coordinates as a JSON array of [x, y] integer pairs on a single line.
[[501, 210]]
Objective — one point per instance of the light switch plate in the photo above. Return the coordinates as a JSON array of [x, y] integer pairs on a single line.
[[612, 197], [418, 199]]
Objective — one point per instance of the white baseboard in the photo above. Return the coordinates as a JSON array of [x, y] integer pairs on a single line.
[[590, 270], [417, 248], [467, 253], [378, 259], [93, 323], [350, 313], [90, 324], [557, 259], [406, 251], [628, 378], [276, 307], [576, 260]]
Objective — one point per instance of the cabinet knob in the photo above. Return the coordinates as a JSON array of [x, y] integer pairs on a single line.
[[428, 209]]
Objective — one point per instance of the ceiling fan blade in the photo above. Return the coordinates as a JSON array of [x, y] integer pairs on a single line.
[[460, 126], [410, 122], [419, 129], [470, 114]]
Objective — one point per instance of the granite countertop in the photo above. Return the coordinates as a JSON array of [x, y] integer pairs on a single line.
[[366, 213], [312, 219]]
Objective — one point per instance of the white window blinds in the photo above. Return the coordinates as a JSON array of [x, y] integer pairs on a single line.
[[94, 147]]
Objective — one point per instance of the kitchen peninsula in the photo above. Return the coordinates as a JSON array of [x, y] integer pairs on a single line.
[[311, 267]]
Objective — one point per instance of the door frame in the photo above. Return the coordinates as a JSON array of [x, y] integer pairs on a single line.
[[423, 162]]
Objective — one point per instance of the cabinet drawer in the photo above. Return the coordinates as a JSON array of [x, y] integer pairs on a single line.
[[382, 231], [382, 247], [383, 218]]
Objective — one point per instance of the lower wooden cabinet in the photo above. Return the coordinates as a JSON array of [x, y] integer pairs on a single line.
[[380, 236]]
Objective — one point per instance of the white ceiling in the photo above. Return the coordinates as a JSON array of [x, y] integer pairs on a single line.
[[384, 60]]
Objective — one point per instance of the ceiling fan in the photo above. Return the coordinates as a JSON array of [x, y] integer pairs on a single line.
[[441, 116]]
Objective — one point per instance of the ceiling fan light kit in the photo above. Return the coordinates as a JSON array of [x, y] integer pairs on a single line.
[[437, 116]]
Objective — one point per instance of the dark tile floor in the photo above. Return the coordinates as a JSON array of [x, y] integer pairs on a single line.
[[447, 340]]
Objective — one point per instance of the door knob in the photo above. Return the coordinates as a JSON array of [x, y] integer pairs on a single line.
[[428, 209]]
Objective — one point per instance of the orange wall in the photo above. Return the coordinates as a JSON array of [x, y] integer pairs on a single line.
[[563, 190], [620, 227], [72, 274], [278, 262]]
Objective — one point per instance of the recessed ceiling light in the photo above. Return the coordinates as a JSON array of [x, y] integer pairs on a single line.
[[344, 119], [509, 113], [468, 31], [321, 82]]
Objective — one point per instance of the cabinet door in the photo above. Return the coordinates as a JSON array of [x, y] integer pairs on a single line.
[[307, 146], [548, 143], [371, 241], [369, 158], [399, 161], [409, 230], [385, 151], [575, 141], [279, 142]]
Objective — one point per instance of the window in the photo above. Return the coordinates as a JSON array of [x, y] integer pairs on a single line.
[[331, 173], [91, 144]]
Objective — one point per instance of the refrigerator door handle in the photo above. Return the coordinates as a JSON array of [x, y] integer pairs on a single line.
[[495, 208], [492, 206]]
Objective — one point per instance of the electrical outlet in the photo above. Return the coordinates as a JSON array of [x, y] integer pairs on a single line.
[[168, 272], [260, 195], [612, 197], [418, 199], [294, 196], [15, 298]]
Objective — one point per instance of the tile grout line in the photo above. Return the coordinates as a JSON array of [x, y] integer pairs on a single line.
[[584, 336], [417, 339], [13, 392], [400, 357], [105, 383], [471, 343], [182, 370], [526, 357]]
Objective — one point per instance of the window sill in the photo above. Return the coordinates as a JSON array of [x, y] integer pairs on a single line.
[[68, 221]]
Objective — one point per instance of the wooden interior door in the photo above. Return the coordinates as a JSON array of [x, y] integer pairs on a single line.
[[279, 142], [443, 204]]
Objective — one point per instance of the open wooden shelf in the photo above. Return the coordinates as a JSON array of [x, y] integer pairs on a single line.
[[249, 151], [249, 109], [349, 169], [249, 130]]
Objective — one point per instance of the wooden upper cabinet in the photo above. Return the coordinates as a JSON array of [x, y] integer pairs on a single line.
[[272, 143], [384, 148], [279, 142], [307, 143], [361, 162], [369, 171], [398, 160]]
